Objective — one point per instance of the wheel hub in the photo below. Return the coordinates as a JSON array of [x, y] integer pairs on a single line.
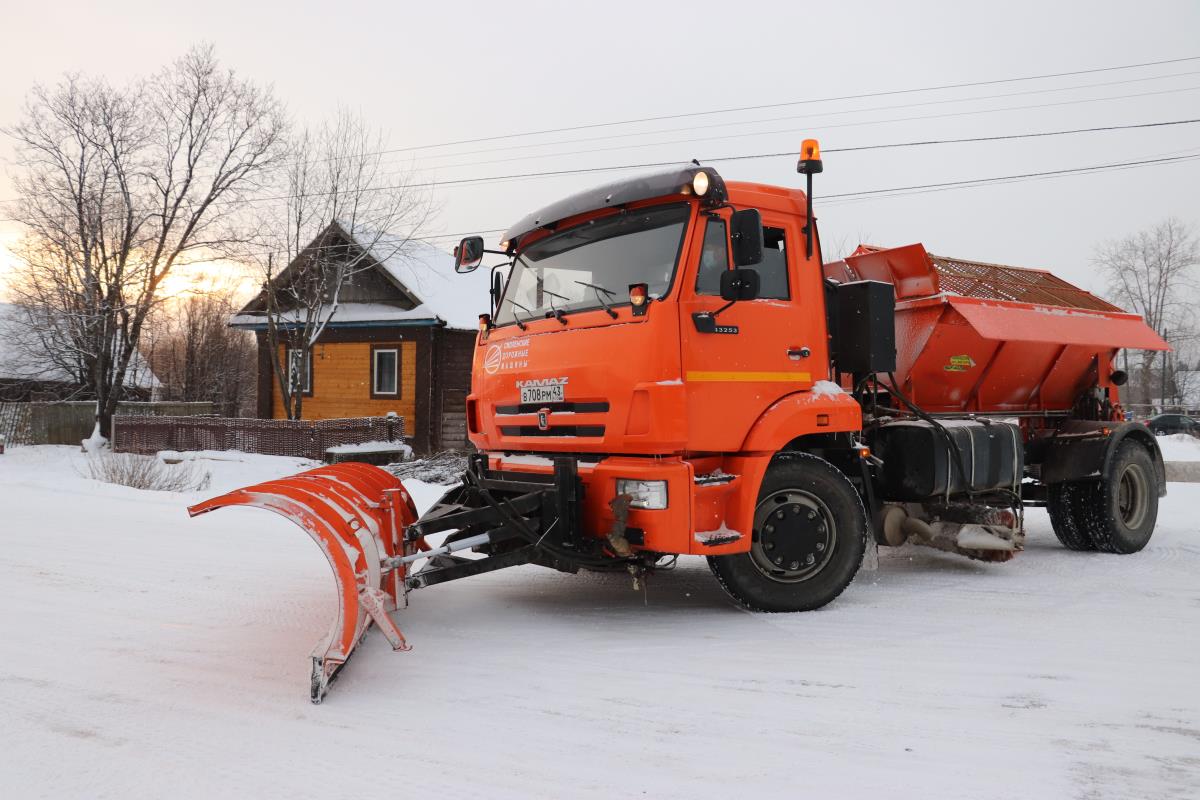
[[794, 536], [1131, 496]]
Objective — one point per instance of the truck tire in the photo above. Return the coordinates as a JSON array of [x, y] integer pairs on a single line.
[[810, 534], [1120, 511], [1064, 503]]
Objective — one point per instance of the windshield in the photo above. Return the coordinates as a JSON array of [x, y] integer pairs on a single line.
[[594, 263]]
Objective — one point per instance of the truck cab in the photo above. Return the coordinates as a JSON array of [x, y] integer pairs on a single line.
[[612, 343]]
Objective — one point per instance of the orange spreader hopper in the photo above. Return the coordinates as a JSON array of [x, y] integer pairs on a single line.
[[975, 337], [357, 514]]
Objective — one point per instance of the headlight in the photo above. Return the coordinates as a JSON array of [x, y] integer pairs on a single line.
[[646, 494], [700, 183]]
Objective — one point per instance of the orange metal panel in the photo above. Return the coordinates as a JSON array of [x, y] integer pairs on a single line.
[[1022, 322]]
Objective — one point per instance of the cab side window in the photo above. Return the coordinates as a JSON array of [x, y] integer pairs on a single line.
[[773, 271], [714, 258]]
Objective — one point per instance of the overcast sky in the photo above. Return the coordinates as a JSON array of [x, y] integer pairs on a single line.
[[438, 72]]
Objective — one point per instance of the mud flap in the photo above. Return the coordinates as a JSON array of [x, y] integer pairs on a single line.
[[356, 514]]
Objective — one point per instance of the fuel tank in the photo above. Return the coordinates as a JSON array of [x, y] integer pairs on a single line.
[[919, 463]]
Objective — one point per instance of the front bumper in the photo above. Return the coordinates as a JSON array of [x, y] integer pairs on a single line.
[[710, 500]]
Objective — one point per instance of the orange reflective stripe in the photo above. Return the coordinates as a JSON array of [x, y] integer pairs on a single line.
[[764, 377]]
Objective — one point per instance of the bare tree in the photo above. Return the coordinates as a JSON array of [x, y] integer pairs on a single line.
[[117, 187], [1154, 273], [196, 356], [340, 213]]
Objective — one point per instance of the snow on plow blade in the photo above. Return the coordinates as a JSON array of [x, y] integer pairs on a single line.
[[356, 513]]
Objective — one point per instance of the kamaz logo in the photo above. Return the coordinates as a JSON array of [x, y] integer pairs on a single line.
[[541, 382]]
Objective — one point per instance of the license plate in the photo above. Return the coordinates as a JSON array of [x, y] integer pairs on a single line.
[[542, 394]]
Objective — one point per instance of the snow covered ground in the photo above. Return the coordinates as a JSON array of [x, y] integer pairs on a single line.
[[143, 654], [1179, 447]]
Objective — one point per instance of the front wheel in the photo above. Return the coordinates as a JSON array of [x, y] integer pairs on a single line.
[[810, 534]]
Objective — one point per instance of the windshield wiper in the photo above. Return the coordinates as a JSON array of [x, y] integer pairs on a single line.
[[600, 289], [561, 316], [517, 319]]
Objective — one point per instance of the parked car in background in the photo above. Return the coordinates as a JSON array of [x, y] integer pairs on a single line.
[[1173, 423]]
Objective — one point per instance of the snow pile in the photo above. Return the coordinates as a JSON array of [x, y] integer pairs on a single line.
[[825, 388], [1179, 447], [372, 447]]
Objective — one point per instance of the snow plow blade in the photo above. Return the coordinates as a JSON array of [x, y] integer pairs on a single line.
[[357, 514]]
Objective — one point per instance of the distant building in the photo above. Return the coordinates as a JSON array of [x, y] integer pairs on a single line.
[[25, 375], [402, 339]]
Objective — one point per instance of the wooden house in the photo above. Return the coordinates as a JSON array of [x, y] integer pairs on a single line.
[[29, 373], [401, 340]]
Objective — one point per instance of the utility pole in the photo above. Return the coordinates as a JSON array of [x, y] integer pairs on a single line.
[[1164, 376]]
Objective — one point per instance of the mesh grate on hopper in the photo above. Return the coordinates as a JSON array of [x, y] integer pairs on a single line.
[[998, 282]]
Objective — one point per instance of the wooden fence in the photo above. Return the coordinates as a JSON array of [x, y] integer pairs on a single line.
[[70, 422], [276, 437]]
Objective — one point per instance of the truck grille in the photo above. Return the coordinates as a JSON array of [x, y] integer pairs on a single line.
[[554, 430], [532, 408]]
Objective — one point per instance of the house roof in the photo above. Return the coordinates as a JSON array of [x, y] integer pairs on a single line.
[[422, 272], [428, 274], [19, 362]]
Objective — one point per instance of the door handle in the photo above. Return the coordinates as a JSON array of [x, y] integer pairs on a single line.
[[797, 353]]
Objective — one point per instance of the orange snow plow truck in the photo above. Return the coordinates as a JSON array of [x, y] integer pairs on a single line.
[[669, 369]]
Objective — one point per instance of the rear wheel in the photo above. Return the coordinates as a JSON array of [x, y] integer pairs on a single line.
[[810, 533], [1123, 508], [1067, 514]]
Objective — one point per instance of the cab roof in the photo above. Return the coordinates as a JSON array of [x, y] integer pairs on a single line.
[[674, 180]]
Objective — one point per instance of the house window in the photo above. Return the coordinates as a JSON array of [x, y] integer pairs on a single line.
[[300, 369], [385, 371]]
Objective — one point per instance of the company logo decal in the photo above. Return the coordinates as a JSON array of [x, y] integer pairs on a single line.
[[491, 360], [959, 364], [507, 356]]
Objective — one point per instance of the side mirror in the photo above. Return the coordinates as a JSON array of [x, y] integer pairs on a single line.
[[746, 236], [468, 254], [740, 284]]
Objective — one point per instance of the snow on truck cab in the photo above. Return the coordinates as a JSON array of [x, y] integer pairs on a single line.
[[669, 368]]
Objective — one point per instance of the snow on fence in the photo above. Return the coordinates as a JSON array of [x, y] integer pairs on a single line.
[[275, 437], [71, 421]]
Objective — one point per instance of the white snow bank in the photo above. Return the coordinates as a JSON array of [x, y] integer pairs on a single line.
[[1179, 447]]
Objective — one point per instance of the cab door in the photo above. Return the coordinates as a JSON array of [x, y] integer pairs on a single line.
[[760, 350]]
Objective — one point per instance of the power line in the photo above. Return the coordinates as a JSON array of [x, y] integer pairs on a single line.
[[806, 129], [901, 191], [788, 103], [453, 182], [816, 128], [1006, 178], [811, 116], [474, 181]]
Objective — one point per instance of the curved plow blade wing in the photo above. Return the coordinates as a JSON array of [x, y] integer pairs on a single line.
[[356, 513]]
